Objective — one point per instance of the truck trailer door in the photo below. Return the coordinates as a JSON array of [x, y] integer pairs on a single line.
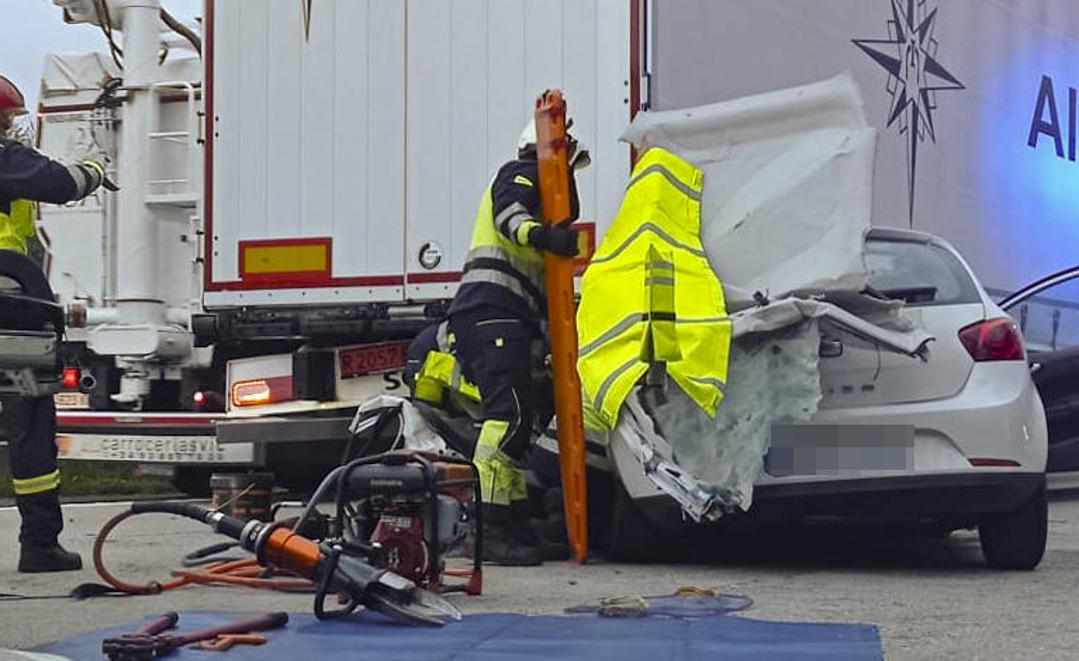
[[306, 180], [474, 71]]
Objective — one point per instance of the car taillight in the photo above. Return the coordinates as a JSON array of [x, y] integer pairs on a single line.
[[262, 391], [992, 340], [71, 378]]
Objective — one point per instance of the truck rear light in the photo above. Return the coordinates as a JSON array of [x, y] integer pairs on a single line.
[[251, 393], [208, 401], [70, 379], [993, 340], [257, 392]]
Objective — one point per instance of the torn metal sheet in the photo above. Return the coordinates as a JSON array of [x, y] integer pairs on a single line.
[[790, 311], [799, 159], [637, 429], [710, 464]]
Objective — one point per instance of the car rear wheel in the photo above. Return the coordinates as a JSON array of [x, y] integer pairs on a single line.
[[633, 537], [1016, 540]]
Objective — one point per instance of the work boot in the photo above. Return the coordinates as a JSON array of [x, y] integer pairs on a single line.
[[501, 547], [42, 559]]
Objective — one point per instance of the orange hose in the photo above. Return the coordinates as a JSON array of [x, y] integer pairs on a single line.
[[206, 578], [243, 572]]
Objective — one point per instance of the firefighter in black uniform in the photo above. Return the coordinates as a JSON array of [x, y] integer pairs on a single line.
[[497, 316], [28, 424]]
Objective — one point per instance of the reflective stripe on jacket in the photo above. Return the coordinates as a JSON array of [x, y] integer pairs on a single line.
[[649, 295], [27, 176], [510, 263], [17, 225]]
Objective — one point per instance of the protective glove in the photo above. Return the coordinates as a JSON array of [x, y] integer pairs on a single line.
[[557, 239], [98, 166]]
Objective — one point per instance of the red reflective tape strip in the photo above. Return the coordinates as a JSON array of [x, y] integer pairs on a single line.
[[422, 278], [580, 263], [83, 419], [284, 281], [210, 137]]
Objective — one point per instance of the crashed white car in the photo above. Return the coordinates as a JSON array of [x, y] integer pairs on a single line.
[[870, 375], [957, 439]]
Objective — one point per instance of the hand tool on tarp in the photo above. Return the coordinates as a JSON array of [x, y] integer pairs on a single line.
[[151, 642], [551, 150], [226, 641]]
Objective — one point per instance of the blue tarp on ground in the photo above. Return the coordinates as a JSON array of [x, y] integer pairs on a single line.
[[520, 637]]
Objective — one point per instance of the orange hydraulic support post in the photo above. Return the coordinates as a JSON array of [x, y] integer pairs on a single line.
[[562, 313]]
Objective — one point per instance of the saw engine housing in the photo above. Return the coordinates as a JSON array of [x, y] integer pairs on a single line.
[[411, 508]]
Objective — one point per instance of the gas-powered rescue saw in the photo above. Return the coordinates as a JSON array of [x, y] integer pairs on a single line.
[[396, 513]]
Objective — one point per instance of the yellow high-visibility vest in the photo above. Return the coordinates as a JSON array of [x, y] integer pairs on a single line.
[[649, 295], [17, 226], [495, 259]]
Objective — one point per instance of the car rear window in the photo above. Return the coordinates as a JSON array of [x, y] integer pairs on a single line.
[[918, 273]]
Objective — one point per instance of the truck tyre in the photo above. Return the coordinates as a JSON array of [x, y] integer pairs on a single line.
[[633, 537], [1016, 540], [192, 480]]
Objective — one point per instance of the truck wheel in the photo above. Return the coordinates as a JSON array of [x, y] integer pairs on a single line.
[[633, 537], [193, 481], [1016, 540]]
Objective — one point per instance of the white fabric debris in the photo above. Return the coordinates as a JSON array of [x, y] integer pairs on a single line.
[[415, 433], [775, 378], [787, 185]]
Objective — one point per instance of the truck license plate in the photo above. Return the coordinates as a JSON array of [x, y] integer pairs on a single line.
[[360, 361], [71, 401]]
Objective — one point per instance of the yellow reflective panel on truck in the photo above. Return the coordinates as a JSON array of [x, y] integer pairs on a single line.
[[285, 259]]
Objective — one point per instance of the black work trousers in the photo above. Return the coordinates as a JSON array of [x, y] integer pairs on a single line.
[[28, 424], [494, 350]]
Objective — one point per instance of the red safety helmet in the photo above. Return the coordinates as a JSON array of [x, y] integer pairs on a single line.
[[11, 99]]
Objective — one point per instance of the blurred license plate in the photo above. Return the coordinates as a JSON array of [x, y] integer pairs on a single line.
[[833, 450], [72, 400]]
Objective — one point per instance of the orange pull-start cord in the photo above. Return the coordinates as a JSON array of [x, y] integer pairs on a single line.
[[561, 313]]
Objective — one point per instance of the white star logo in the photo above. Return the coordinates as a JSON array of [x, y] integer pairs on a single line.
[[914, 76]]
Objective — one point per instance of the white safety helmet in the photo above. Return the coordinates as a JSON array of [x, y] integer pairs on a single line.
[[578, 157], [527, 139]]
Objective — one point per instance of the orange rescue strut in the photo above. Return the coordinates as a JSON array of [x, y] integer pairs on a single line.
[[561, 313]]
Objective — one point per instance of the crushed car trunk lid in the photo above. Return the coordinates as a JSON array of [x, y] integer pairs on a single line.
[[856, 372]]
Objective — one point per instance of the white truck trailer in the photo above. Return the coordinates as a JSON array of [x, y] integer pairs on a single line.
[[345, 145]]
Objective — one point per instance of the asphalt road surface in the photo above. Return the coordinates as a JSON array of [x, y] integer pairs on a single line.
[[932, 598]]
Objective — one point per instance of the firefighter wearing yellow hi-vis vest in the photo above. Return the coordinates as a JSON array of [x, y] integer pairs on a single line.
[[495, 320], [28, 424]]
